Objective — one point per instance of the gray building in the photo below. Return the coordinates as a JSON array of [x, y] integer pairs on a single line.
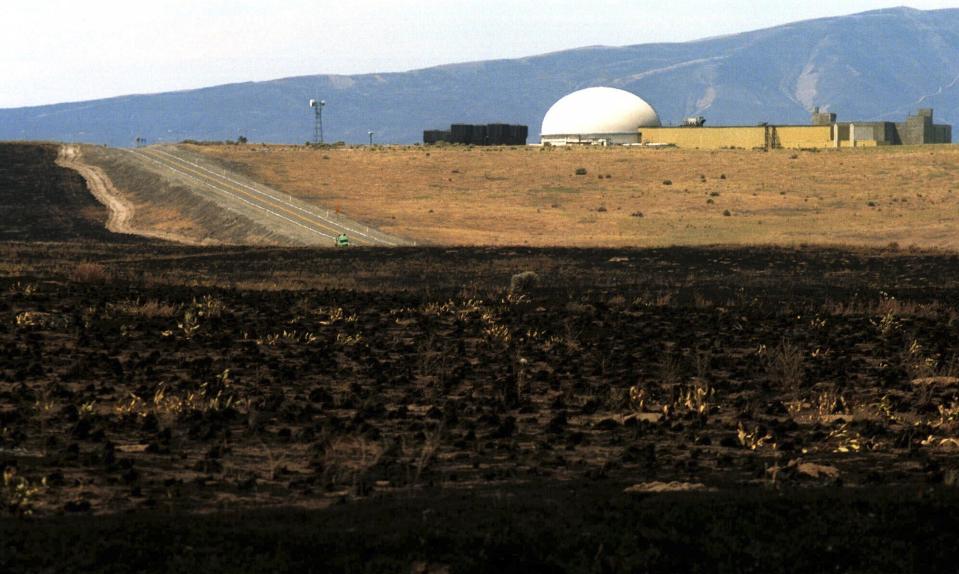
[[917, 129]]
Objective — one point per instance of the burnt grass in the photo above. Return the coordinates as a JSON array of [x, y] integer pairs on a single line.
[[165, 408], [42, 201]]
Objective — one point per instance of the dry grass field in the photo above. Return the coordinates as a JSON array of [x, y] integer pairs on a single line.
[[628, 197]]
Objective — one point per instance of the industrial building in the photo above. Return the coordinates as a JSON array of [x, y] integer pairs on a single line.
[[824, 132], [489, 134], [610, 116]]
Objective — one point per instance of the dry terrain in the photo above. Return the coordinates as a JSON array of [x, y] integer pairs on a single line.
[[628, 197], [169, 193], [169, 408], [160, 206]]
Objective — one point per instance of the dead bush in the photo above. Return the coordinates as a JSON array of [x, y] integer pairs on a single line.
[[785, 365], [150, 309], [524, 281], [89, 272]]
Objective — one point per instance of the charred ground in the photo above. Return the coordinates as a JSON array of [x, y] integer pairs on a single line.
[[41, 201], [409, 409]]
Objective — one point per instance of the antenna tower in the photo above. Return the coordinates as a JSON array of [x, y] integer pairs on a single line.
[[317, 106]]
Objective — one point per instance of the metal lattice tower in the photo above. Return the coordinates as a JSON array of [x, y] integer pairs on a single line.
[[317, 106]]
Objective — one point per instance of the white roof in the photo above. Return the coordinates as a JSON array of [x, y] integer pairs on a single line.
[[599, 111]]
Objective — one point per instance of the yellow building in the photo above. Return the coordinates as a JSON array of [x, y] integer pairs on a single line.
[[746, 137], [824, 132]]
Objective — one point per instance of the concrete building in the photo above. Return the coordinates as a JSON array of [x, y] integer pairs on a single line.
[[917, 129], [825, 132], [597, 116]]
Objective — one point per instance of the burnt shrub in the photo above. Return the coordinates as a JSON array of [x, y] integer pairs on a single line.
[[523, 281]]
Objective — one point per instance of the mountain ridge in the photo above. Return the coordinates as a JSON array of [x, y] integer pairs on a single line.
[[879, 64]]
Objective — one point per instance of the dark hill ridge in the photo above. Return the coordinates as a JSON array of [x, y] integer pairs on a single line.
[[875, 65]]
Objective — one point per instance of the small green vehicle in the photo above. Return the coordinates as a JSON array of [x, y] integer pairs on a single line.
[[342, 240]]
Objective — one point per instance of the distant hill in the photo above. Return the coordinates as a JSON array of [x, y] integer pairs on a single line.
[[875, 65]]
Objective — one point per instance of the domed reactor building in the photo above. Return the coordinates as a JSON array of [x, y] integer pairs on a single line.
[[597, 116]]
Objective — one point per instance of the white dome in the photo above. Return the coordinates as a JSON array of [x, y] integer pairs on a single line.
[[599, 111]]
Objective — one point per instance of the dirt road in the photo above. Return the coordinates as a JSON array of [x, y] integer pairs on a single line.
[[121, 210], [121, 218]]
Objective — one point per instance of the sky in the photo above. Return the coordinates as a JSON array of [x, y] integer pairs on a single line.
[[68, 50]]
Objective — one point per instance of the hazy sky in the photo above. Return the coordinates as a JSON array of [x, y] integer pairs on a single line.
[[70, 50]]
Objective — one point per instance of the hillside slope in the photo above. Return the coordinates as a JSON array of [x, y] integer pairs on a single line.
[[874, 65], [41, 200]]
